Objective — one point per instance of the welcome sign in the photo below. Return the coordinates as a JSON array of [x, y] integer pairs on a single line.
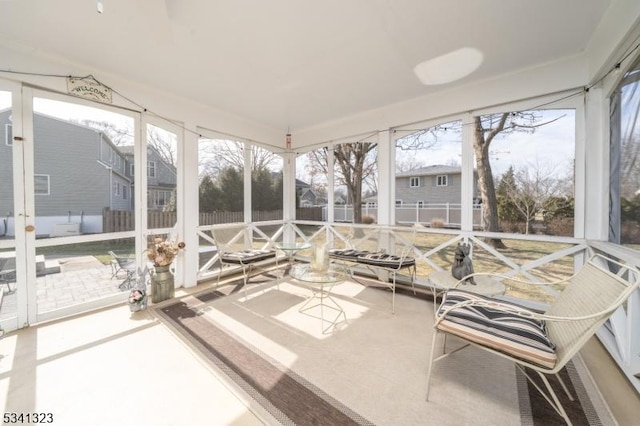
[[89, 88]]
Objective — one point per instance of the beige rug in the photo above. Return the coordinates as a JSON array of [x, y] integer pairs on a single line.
[[368, 369]]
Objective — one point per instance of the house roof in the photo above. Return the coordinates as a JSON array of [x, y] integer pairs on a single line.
[[431, 170], [292, 65]]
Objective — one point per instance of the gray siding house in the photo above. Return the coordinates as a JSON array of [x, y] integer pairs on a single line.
[[431, 185], [78, 173], [162, 178]]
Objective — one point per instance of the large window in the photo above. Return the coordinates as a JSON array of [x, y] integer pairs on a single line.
[[266, 185], [429, 175], [524, 161], [625, 161], [221, 173], [312, 185], [356, 179]]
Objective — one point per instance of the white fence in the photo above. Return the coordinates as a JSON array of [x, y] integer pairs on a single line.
[[448, 214]]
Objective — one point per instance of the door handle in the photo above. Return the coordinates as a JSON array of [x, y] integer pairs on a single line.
[[29, 228]]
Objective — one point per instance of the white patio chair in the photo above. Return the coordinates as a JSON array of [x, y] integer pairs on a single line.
[[232, 252], [544, 342], [7, 273], [380, 261], [126, 264]]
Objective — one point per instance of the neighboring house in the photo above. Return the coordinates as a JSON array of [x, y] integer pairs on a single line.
[[78, 173], [307, 196], [161, 178], [431, 185]]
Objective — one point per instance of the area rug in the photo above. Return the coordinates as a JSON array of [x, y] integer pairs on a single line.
[[368, 368]]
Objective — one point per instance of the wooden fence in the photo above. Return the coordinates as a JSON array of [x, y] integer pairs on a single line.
[[119, 220]]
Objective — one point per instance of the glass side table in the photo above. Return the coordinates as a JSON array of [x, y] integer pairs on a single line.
[[291, 249], [320, 283]]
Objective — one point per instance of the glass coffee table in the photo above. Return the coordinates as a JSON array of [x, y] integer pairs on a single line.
[[320, 283]]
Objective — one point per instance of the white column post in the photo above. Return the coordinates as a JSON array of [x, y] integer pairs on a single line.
[[466, 203], [188, 206], [248, 213], [331, 201], [140, 188], [386, 178], [592, 188], [289, 194]]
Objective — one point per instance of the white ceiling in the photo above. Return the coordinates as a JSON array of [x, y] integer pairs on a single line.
[[292, 64]]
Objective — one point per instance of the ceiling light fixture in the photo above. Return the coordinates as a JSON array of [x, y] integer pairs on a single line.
[[449, 67], [99, 5]]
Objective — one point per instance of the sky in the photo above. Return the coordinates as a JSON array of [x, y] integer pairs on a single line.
[[552, 145]]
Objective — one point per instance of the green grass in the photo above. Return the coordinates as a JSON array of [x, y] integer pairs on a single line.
[[99, 250]]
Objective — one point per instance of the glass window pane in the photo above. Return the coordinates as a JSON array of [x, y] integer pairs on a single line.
[[356, 181], [525, 166], [429, 176], [162, 177], [81, 169], [625, 161], [312, 185], [221, 171]]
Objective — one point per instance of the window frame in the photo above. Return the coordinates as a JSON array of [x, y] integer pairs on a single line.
[[35, 184], [8, 141], [151, 168]]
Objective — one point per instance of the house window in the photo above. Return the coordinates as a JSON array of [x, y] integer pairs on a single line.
[[41, 184], [116, 188], [151, 168], [441, 180], [132, 169], [414, 182], [124, 192], [8, 134]]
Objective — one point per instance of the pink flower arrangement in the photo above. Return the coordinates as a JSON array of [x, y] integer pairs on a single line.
[[162, 252], [136, 296]]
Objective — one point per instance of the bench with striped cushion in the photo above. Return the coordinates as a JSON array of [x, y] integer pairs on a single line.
[[350, 255], [497, 327], [386, 260], [247, 256]]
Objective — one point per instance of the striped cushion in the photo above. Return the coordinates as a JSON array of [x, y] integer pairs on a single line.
[[347, 254], [247, 256], [386, 260], [507, 332]]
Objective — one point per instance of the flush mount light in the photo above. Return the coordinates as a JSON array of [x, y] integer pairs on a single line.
[[449, 67], [99, 6]]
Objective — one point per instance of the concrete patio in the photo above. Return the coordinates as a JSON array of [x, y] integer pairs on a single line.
[[80, 279]]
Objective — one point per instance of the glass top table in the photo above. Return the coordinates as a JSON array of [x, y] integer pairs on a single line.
[[320, 284], [332, 276], [291, 248]]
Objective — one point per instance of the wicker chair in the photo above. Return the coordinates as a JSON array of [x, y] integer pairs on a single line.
[[544, 342]]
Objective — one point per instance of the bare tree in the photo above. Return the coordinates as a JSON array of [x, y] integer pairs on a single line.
[[119, 135], [356, 163], [224, 153], [486, 129], [533, 190]]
